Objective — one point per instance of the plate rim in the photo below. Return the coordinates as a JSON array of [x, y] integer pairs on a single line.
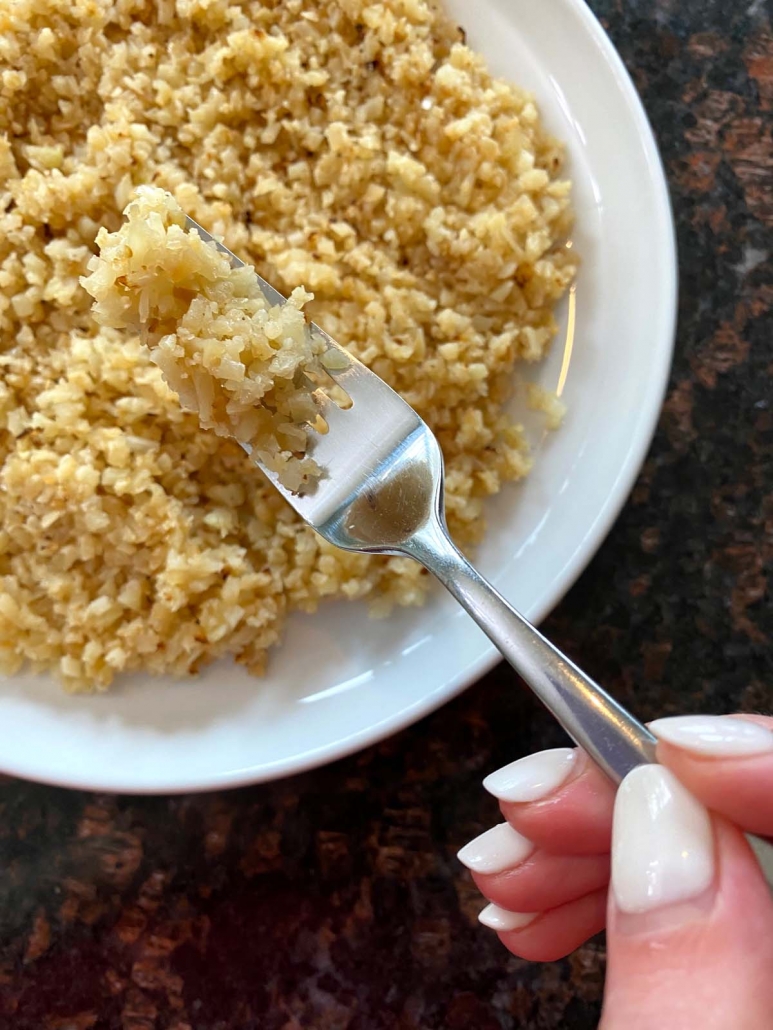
[[585, 551]]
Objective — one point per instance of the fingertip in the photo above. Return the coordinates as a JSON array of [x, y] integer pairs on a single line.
[[534, 777], [503, 920], [554, 934], [576, 819], [716, 736]]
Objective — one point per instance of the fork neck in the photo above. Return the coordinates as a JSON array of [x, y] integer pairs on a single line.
[[613, 737]]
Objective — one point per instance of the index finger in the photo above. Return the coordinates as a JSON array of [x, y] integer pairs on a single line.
[[724, 761]]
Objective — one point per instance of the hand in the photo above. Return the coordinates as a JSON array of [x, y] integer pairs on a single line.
[[689, 915]]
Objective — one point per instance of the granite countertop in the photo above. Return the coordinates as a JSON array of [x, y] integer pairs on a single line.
[[333, 901]]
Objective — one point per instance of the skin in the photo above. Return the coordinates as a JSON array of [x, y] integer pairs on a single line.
[[705, 963]]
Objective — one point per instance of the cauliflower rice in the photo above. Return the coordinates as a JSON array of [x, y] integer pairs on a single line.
[[242, 365], [356, 149]]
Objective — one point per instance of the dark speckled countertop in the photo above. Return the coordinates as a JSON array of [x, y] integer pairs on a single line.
[[333, 901]]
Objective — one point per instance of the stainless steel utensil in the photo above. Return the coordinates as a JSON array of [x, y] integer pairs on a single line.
[[382, 492]]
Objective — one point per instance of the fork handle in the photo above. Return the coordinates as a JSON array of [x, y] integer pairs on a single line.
[[615, 740]]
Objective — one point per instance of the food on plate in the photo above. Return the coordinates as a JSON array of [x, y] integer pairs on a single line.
[[357, 150], [249, 370]]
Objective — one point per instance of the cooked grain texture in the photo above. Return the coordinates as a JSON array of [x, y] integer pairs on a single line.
[[352, 148], [242, 365]]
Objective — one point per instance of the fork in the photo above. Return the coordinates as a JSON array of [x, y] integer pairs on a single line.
[[382, 493]]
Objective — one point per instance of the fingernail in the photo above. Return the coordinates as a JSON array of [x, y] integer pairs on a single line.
[[716, 736], [500, 919], [497, 849], [533, 777], [662, 842]]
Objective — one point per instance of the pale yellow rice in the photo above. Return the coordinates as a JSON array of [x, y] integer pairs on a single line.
[[356, 149], [248, 369]]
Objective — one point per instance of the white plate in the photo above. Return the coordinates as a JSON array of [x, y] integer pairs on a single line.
[[342, 681]]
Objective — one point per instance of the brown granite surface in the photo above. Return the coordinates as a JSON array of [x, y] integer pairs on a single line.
[[333, 901]]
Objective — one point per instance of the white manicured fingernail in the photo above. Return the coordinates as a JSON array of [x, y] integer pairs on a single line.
[[500, 919], [714, 735], [533, 777], [495, 850], [662, 842]]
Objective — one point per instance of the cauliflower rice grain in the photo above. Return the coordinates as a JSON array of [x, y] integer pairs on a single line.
[[355, 149], [242, 365]]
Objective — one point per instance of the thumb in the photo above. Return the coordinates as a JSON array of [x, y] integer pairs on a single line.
[[690, 918]]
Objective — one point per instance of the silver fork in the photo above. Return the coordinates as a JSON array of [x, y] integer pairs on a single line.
[[382, 492]]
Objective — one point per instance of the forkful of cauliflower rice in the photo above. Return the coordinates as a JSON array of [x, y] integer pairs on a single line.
[[247, 367]]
